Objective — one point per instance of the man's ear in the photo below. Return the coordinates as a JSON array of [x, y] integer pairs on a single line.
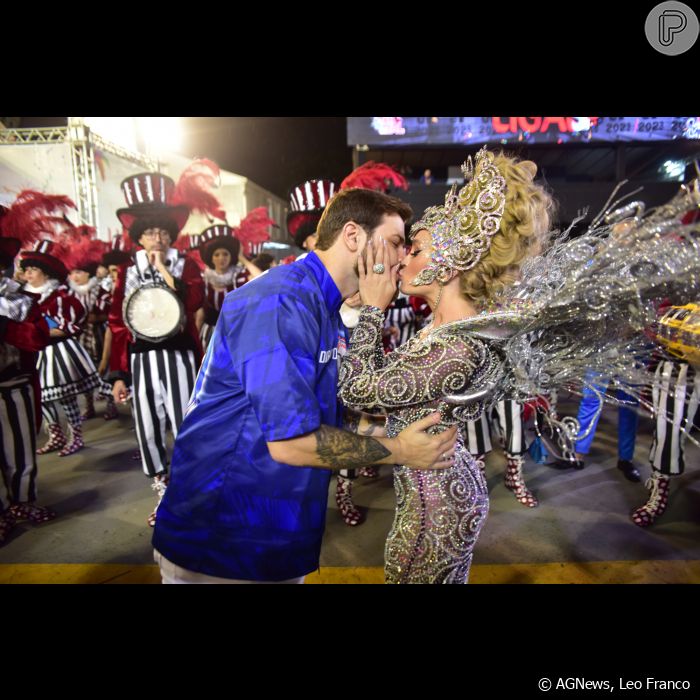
[[354, 236]]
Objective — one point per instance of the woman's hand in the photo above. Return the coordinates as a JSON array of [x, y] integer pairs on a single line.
[[377, 289]]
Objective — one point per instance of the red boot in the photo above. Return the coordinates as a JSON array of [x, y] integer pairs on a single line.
[[659, 486], [76, 442], [343, 499], [57, 440], [514, 481]]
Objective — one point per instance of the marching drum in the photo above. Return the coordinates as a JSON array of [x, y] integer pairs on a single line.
[[154, 313]]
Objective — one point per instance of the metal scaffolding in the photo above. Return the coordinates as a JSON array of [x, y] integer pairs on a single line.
[[83, 144], [83, 159], [19, 137]]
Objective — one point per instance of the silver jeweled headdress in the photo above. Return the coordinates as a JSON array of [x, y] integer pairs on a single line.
[[462, 229]]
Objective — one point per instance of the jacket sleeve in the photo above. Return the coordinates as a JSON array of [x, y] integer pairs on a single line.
[[31, 335], [15, 305], [103, 301]]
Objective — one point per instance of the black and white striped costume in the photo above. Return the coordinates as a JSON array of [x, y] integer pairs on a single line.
[[507, 418], [18, 414], [162, 374], [402, 315], [65, 367], [163, 381], [96, 299], [18, 438], [676, 394], [92, 337]]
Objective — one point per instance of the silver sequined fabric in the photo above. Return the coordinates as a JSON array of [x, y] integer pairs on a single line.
[[439, 513]]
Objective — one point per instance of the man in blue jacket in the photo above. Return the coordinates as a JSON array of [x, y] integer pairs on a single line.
[[253, 458]]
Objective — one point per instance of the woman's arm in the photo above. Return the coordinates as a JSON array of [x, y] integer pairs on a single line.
[[254, 270], [427, 373], [199, 318], [106, 350]]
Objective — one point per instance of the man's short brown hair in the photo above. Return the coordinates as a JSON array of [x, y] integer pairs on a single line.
[[365, 207]]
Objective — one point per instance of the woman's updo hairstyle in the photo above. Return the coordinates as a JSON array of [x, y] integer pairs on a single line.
[[526, 220]]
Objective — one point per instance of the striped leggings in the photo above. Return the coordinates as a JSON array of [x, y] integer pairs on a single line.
[[676, 393], [49, 410], [163, 382], [507, 416], [18, 440]]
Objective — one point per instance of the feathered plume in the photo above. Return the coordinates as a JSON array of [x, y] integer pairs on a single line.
[[374, 176], [35, 215], [194, 188], [253, 229], [82, 249]]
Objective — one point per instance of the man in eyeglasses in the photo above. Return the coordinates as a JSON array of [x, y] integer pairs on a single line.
[[162, 373]]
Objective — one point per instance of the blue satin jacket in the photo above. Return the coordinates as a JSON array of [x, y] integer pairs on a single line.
[[270, 373]]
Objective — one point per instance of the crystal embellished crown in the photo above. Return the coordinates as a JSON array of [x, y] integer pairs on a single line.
[[462, 229]]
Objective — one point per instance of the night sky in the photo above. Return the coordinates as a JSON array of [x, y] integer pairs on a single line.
[[274, 152]]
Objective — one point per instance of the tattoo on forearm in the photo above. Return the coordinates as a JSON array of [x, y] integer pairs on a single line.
[[344, 450]]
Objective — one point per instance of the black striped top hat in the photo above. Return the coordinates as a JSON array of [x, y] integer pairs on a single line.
[[42, 256], [215, 237], [149, 195], [306, 204]]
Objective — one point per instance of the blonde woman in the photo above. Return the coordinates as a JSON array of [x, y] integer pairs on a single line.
[[462, 254]]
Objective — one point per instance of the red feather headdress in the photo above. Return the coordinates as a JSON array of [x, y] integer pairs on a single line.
[[35, 215], [194, 188], [374, 176], [253, 229]]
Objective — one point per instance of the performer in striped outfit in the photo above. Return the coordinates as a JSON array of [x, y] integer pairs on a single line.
[[96, 300], [675, 397], [120, 254], [219, 248], [675, 394], [507, 418], [23, 332], [162, 372], [65, 368]]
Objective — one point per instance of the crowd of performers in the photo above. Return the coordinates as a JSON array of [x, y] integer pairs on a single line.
[[64, 334]]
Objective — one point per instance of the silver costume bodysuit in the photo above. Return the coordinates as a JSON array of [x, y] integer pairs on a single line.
[[439, 513]]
